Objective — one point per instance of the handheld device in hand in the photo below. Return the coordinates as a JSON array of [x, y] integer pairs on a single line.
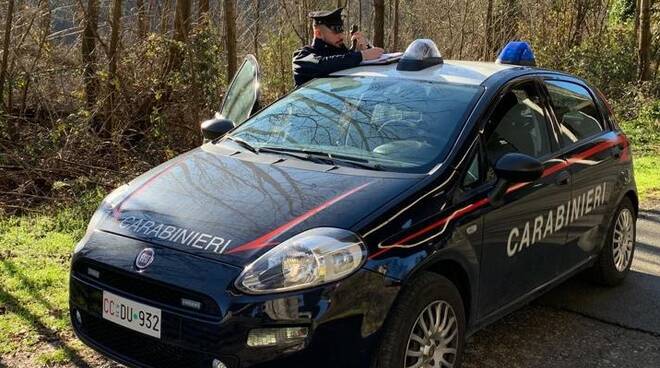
[[354, 29]]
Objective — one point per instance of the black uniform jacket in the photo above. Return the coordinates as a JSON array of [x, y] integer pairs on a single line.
[[320, 59]]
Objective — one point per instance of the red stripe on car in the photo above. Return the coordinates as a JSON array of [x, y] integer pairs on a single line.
[[482, 202], [268, 239]]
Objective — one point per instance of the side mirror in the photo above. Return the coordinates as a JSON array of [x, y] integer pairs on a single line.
[[216, 128], [514, 168]]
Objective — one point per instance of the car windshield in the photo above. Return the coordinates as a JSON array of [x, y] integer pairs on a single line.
[[395, 124]]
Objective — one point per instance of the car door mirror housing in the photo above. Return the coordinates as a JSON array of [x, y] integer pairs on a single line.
[[514, 168], [216, 128], [518, 168]]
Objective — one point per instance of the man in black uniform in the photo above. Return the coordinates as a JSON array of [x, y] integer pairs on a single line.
[[328, 53]]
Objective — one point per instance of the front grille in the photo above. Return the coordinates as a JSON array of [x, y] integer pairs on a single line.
[[141, 349], [148, 289]]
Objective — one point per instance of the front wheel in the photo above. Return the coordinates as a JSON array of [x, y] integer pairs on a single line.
[[426, 326], [617, 253]]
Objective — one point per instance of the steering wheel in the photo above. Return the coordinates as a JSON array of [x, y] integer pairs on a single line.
[[406, 123], [405, 149]]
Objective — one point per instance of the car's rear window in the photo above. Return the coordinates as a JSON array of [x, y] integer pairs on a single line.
[[402, 125], [575, 110]]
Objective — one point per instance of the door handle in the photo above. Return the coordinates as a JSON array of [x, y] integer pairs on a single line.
[[563, 178], [617, 150]]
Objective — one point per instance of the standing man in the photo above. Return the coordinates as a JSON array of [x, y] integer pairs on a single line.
[[328, 53]]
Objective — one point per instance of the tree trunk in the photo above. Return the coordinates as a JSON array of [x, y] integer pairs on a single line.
[[113, 52], [280, 54], [395, 27], [580, 11], [488, 39], [182, 20], [44, 31], [202, 9], [379, 23], [508, 16], [46, 19], [257, 20], [360, 13], [141, 18], [5, 52], [181, 29], [90, 80], [165, 17], [637, 7], [657, 61], [461, 43], [644, 40], [115, 25], [230, 37], [307, 25]]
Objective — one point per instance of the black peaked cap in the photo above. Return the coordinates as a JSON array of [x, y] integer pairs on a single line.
[[327, 17]]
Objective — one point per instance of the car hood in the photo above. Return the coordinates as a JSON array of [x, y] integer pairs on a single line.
[[214, 205]]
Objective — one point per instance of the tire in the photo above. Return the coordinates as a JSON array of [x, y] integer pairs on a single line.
[[428, 293], [610, 269]]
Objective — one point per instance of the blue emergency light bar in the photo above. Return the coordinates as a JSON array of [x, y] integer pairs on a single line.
[[517, 53]]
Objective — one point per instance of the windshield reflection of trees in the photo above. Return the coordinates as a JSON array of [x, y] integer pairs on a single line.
[[353, 116]]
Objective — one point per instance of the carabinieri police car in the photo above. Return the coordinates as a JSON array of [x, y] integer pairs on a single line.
[[372, 218]]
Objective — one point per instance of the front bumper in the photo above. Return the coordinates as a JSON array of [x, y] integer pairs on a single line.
[[343, 321]]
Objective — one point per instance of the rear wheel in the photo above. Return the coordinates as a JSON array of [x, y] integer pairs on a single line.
[[617, 253], [426, 326]]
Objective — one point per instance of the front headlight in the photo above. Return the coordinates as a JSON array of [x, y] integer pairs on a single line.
[[311, 258]]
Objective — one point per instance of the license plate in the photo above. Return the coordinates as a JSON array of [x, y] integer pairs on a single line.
[[136, 316]]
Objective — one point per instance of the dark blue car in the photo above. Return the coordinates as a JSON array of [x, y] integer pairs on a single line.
[[373, 218]]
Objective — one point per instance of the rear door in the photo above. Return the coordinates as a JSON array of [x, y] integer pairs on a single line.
[[592, 151], [522, 239]]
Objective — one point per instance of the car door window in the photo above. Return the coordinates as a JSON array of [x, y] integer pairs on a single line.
[[518, 124], [576, 111], [242, 94], [473, 174]]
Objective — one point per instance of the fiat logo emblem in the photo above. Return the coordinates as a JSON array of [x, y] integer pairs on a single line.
[[145, 258]]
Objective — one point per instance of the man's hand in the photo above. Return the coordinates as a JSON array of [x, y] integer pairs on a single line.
[[362, 43], [372, 53]]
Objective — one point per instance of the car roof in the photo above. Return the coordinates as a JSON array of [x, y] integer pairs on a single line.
[[451, 71]]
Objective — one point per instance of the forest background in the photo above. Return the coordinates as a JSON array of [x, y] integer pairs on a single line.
[[94, 92]]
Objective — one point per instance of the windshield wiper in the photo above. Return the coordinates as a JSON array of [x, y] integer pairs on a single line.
[[299, 154], [310, 155], [350, 160], [362, 164], [244, 144], [330, 158]]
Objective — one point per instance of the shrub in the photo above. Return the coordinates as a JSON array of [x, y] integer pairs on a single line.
[[644, 130]]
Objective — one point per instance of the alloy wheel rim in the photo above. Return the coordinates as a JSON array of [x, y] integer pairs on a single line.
[[623, 240], [433, 341]]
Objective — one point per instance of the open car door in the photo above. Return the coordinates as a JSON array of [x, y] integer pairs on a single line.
[[242, 96], [240, 101]]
